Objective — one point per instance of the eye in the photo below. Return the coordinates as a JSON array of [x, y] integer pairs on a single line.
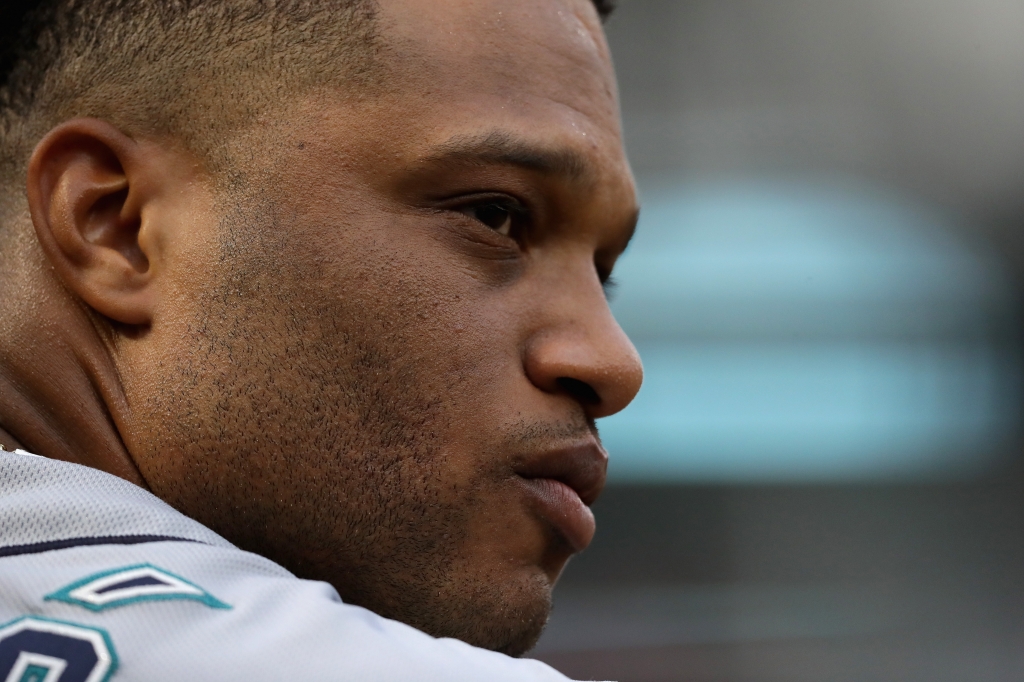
[[498, 216]]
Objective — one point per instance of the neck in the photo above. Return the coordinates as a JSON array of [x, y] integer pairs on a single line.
[[60, 396]]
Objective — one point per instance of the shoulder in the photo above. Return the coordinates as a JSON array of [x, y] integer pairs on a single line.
[[162, 608], [182, 610]]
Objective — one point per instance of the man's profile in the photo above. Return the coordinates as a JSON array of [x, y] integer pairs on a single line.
[[327, 278]]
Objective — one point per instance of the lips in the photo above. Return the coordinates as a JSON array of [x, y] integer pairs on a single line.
[[563, 483]]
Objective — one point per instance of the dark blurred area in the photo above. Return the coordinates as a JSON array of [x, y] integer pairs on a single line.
[[822, 478]]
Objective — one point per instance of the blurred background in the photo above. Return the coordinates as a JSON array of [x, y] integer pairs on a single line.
[[823, 475]]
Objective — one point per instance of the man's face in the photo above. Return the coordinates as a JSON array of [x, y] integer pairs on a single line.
[[379, 365]]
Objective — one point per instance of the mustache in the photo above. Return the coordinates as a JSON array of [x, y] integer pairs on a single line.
[[534, 435], [568, 452], [525, 440]]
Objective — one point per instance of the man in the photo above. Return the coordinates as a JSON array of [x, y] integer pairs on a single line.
[[327, 279]]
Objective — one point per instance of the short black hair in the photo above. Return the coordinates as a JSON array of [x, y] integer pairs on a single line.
[[15, 31], [104, 58], [56, 62], [604, 7], [19, 24]]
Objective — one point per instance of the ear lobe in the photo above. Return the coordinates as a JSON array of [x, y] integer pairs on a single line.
[[85, 199]]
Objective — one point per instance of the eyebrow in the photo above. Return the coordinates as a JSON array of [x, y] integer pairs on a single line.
[[503, 148]]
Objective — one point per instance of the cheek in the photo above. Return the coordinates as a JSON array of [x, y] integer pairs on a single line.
[[469, 361], [442, 313]]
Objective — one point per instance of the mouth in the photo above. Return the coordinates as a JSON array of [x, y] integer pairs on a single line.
[[562, 484]]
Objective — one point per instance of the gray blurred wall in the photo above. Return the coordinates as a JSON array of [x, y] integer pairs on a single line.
[[840, 581]]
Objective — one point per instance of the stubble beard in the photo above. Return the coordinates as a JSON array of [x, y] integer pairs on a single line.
[[309, 434]]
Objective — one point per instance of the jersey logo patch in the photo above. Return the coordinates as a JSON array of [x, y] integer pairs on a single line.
[[131, 585], [43, 650]]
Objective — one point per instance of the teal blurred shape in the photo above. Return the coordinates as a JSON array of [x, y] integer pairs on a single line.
[[805, 331]]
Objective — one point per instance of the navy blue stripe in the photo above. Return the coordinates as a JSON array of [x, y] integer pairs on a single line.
[[137, 582], [38, 547]]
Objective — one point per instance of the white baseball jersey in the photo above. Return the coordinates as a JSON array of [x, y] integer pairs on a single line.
[[100, 580]]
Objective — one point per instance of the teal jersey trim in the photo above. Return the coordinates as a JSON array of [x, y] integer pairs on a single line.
[[106, 660], [132, 585], [35, 673]]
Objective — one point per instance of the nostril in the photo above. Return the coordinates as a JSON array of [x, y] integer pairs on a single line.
[[580, 390]]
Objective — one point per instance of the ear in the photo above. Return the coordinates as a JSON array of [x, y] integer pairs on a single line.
[[86, 194]]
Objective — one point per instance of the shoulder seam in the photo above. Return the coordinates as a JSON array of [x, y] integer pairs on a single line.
[[37, 547]]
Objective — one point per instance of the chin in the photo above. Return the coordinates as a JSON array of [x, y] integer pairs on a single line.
[[513, 629], [505, 616]]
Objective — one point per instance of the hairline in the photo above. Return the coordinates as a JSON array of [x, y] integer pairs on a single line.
[[20, 131]]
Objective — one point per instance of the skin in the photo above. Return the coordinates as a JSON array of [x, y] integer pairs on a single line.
[[342, 362]]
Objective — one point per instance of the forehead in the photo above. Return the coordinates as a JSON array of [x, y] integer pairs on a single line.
[[538, 64], [484, 40]]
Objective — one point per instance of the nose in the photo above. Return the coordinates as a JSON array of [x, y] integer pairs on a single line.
[[584, 354]]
